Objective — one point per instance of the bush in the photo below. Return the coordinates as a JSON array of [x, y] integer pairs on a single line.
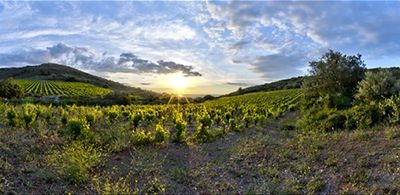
[[338, 101], [391, 108], [180, 129], [161, 135], [202, 132], [29, 115], [325, 120], [364, 116], [136, 119], [141, 138], [75, 161], [78, 128], [12, 117], [10, 89], [232, 125], [377, 86], [112, 115], [90, 118]]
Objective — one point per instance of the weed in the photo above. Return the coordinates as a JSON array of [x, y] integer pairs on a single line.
[[392, 132], [74, 161]]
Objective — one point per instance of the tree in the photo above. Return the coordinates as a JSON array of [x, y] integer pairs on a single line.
[[377, 86], [10, 89], [335, 74]]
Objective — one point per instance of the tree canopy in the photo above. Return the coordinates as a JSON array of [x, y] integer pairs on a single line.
[[334, 74]]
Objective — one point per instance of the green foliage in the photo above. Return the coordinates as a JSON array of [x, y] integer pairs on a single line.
[[161, 135], [334, 74], [12, 117], [90, 118], [10, 89], [202, 133], [325, 120], [136, 119], [232, 125], [112, 115], [337, 101], [247, 120], [79, 128], [74, 161], [391, 107], [180, 129], [377, 86], [29, 115], [140, 137], [64, 117], [364, 116]]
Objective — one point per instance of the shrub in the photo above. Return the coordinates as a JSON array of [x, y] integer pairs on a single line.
[[180, 129], [202, 132], [247, 120], [161, 135], [391, 109], [377, 86], [136, 119], [140, 137], [337, 101], [64, 117], [112, 115], [10, 89], [232, 125], [29, 115], [365, 116], [75, 161], [325, 119], [90, 118], [12, 117], [78, 128]]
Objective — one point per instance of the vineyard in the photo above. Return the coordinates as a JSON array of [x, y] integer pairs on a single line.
[[234, 144], [48, 88]]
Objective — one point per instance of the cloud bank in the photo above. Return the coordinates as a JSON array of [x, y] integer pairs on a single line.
[[261, 41], [86, 58]]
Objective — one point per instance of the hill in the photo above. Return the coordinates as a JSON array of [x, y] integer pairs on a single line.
[[57, 72], [60, 88], [291, 83]]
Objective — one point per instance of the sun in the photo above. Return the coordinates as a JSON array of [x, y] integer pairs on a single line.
[[179, 82]]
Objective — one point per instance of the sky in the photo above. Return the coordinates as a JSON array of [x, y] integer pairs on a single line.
[[215, 47]]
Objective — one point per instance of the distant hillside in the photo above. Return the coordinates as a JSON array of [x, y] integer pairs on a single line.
[[56, 72], [291, 83]]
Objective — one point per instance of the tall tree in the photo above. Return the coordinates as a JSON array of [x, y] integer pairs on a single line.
[[335, 74]]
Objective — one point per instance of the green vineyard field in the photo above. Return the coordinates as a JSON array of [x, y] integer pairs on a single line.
[[48, 88]]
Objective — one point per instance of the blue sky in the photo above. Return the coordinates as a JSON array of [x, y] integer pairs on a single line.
[[217, 46]]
